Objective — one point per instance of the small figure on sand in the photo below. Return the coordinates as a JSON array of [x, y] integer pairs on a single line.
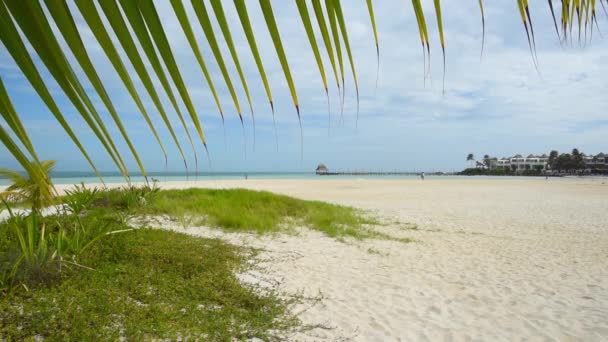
[[246, 176], [422, 175]]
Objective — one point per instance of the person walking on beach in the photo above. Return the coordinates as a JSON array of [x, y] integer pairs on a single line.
[[422, 175]]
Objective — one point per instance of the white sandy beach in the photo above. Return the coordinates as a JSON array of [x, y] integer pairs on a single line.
[[492, 259]]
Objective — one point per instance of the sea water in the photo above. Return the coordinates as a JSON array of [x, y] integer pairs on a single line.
[[69, 177]]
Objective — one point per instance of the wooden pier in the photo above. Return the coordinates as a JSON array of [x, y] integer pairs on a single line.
[[381, 173]]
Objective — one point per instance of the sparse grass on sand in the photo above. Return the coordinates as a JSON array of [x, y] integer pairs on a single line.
[[147, 284], [261, 212]]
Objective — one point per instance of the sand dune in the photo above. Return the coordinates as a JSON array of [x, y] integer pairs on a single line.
[[493, 260]]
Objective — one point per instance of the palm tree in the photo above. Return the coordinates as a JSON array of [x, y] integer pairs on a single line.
[[486, 160], [578, 162], [142, 19], [471, 158], [553, 158], [38, 194]]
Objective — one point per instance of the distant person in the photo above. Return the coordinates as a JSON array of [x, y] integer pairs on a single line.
[[246, 176], [422, 175]]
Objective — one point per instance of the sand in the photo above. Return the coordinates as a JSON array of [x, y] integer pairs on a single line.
[[498, 259]]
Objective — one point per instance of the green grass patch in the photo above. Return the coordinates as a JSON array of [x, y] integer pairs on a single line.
[[83, 281], [259, 211], [147, 284]]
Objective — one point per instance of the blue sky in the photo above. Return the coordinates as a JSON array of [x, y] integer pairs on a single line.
[[499, 105]]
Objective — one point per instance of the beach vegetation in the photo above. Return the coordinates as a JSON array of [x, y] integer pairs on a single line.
[[85, 273], [35, 190], [568, 161], [240, 210], [148, 285], [79, 198]]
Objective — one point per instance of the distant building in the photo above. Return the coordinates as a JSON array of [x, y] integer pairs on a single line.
[[321, 168], [599, 161], [519, 163]]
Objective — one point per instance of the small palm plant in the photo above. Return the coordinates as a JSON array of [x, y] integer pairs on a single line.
[[36, 189], [38, 192]]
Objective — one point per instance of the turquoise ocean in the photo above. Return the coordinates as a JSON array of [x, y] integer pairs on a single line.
[[70, 177]]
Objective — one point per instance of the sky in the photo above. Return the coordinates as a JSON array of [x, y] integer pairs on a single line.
[[498, 104]]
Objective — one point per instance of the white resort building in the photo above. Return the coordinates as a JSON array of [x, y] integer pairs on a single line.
[[519, 163], [598, 161]]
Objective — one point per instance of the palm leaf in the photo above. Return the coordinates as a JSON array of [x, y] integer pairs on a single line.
[[527, 10], [305, 16], [16, 152], [522, 12], [33, 23], [7, 111], [422, 28], [333, 25], [370, 9], [246, 24], [150, 16], [36, 27], [60, 12], [112, 13], [421, 35], [437, 4], [483, 27], [10, 38], [554, 20], [205, 22], [139, 27], [340, 19], [38, 178], [180, 12], [224, 27], [278, 45], [316, 5]]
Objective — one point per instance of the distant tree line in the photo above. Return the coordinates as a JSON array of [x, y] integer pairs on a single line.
[[575, 161], [566, 161]]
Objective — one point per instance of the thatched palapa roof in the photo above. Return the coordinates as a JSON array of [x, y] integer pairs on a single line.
[[322, 168]]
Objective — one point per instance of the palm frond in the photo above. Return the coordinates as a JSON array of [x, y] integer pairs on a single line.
[[7, 111], [316, 5], [335, 34], [248, 30], [182, 17], [112, 13], [337, 7], [437, 4], [370, 9], [32, 21], [203, 17], [142, 18], [225, 28], [483, 27], [63, 18], [150, 16]]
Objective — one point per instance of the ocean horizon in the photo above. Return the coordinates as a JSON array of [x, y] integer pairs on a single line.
[[86, 177]]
